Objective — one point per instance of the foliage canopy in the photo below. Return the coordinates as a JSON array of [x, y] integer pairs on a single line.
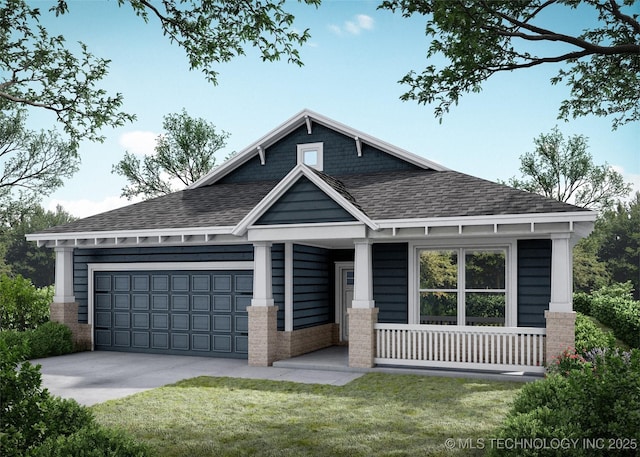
[[183, 154], [563, 169], [43, 71], [482, 38]]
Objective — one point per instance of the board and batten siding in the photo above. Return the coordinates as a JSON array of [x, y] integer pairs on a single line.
[[534, 282], [340, 157], [82, 257], [311, 303], [390, 281], [304, 203]]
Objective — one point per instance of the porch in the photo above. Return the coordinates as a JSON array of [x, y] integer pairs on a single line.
[[336, 359]]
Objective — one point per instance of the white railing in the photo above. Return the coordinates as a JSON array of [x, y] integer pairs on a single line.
[[451, 346]]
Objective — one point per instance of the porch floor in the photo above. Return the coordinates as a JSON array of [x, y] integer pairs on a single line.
[[336, 358]]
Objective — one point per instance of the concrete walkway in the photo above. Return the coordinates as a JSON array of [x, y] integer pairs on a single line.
[[95, 377]]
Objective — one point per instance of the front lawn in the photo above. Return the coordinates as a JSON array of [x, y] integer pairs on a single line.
[[375, 415]]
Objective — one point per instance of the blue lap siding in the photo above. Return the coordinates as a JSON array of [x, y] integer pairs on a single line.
[[311, 285], [534, 282], [390, 282], [304, 203], [340, 157]]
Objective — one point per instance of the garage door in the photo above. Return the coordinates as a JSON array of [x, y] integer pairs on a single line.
[[173, 312]]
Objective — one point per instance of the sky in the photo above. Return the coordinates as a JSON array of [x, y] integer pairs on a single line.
[[353, 62]]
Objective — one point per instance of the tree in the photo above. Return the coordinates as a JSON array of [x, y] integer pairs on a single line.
[[482, 38], [33, 163], [618, 233], [183, 154], [589, 272], [564, 170], [39, 70], [23, 257]]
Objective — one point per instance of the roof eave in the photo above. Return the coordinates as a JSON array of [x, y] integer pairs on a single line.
[[129, 237]]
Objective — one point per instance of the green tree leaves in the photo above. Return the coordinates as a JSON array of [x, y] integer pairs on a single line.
[[184, 153], [481, 38], [40, 70], [32, 164], [563, 169]]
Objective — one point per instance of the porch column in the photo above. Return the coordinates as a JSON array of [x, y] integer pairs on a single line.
[[362, 315], [262, 312], [560, 317], [63, 292], [64, 308]]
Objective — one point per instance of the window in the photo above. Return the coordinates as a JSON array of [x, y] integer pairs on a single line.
[[310, 154], [464, 286]]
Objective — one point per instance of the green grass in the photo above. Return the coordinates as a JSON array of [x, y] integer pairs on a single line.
[[375, 415]]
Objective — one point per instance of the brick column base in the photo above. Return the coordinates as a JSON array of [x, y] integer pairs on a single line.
[[67, 314], [362, 343], [263, 335], [561, 333]]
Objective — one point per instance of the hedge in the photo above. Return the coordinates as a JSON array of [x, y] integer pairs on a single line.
[[614, 307], [49, 339]]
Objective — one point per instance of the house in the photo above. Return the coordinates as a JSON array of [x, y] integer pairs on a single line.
[[318, 234]]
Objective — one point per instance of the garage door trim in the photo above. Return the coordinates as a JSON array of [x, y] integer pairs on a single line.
[[153, 266]]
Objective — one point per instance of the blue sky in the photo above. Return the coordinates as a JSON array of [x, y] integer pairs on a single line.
[[352, 64]]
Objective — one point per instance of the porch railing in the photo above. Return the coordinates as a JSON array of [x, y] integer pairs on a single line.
[[449, 346]]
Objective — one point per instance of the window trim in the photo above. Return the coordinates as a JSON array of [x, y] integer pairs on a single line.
[[305, 147], [511, 272]]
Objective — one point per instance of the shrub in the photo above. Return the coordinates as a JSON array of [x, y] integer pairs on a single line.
[[567, 361], [16, 339], [92, 441], [51, 338], [614, 307], [582, 303], [34, 423], [598, 400], [22, 305], [29, 413], [590, 336]]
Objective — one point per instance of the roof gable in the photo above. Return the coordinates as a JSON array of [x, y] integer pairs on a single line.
[[304, 203], [274, 155], [332, 195]]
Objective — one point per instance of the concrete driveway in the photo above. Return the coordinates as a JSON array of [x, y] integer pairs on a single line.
[[95, 377]]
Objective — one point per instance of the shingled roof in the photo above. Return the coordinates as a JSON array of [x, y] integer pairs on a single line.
[[219, 205], [427, 193], [398, 195]]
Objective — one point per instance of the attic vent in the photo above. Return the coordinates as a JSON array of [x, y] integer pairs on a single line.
[[310, 154]]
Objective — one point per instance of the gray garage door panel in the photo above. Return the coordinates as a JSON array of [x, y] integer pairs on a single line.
[[173, 312]]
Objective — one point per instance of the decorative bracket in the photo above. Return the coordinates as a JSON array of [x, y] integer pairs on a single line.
[[307, 119], [359, 146]]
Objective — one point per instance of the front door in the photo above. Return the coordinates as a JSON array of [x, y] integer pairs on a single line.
[[344, 295]]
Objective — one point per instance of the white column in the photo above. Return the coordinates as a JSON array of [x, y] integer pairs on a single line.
[[288, 287], [363, 276], [262, 277], [63, 292], [561, 273]]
